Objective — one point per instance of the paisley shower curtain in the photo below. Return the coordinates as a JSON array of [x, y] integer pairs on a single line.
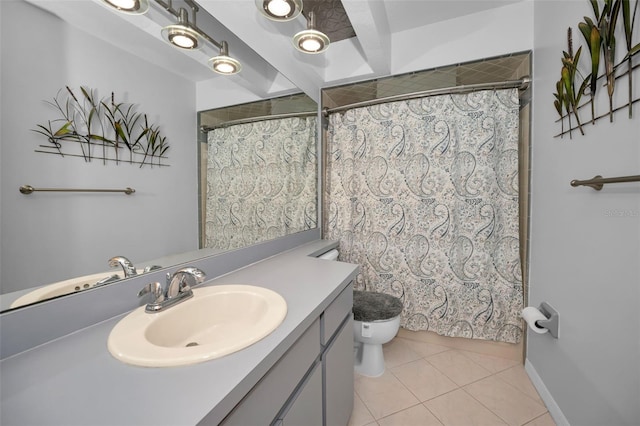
[[261, 181], [423, 195]]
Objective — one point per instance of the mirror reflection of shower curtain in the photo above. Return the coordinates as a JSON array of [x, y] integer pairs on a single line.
[[261, 181], [423, 195]]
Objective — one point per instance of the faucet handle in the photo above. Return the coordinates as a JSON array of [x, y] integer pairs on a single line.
[[150, 268], [197, 274], [155, 289], [183, 280]]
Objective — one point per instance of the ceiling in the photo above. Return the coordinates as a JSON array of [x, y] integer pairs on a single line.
[[362, 34], [331, 18]]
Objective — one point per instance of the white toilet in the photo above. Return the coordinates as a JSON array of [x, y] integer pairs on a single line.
[[376, 321]]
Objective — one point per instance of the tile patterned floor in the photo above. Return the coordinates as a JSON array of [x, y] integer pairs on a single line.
[[426, 384]]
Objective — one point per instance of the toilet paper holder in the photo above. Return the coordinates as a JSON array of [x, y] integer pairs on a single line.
[[552, 323]]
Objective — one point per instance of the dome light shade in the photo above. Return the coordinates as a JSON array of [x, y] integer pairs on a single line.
[[279, 10], [133, 7], [223, 63], [181, 35], [311, 40]]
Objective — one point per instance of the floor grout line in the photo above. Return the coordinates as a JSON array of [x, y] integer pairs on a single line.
[[480, 402], [537, 401], [432, 413], [536, 418]]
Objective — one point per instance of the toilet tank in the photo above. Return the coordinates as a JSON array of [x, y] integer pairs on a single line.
[[330, 255]]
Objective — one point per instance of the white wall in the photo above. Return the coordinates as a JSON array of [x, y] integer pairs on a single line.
[[51, 236], [585, 245]]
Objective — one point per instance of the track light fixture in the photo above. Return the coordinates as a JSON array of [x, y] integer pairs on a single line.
[[223, 64], [185, 34], [279, 10], [311, 40], [132, 7]]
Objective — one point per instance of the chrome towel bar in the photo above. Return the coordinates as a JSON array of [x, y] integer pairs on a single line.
[[598, 181], [28, 189]]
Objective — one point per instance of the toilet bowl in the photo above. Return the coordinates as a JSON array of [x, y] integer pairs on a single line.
[[376, 322]]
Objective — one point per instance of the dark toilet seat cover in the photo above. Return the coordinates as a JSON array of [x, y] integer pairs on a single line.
[[369, 306]]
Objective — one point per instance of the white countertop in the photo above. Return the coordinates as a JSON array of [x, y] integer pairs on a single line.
[[74, 380]]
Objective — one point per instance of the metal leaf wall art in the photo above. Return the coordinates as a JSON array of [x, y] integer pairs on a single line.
[[101, 129], [616, 17]]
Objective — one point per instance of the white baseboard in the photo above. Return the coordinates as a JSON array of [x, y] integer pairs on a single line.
[[552, 406]]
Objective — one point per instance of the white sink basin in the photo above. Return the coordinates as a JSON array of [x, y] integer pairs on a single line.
[[59, 288], [217, 321]]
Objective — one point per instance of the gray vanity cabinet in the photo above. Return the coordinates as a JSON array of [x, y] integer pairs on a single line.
[[265, 401], [306, 407], [312, 384], [338, 369]]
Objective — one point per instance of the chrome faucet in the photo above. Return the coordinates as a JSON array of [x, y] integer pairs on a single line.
[[127, 266], [151, 268], [110, 279], [177, 289]]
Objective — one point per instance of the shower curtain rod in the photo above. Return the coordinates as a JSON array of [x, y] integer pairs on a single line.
[[521, 84], [205, 129]]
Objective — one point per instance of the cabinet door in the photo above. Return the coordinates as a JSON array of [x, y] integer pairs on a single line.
[[306, 408], [338, 372], [262, 404]]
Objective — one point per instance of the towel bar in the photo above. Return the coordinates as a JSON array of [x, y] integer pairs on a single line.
[[28, 189], [598, 181]]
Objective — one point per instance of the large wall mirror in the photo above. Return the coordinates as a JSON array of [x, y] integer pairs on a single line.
[[258, 171], [53, 237]]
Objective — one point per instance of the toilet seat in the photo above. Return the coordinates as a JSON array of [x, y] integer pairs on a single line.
[[369, 306]]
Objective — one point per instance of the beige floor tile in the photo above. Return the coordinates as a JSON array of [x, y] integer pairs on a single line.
[[423, 379], [511, 405], [458, 408], [384, 395], [544, 420], [367, 385], [417, 415], [519, 379], [424, 348], [492, 363], [397, 352], [360, 416], [499, 349], [458, 367]]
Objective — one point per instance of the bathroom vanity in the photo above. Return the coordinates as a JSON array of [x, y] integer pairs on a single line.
[[301, 373]]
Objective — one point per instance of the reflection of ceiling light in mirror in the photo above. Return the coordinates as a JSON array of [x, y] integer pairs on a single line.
[[279, 10], [134, 7], [181, 35], [223, 63], [311, 40]]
